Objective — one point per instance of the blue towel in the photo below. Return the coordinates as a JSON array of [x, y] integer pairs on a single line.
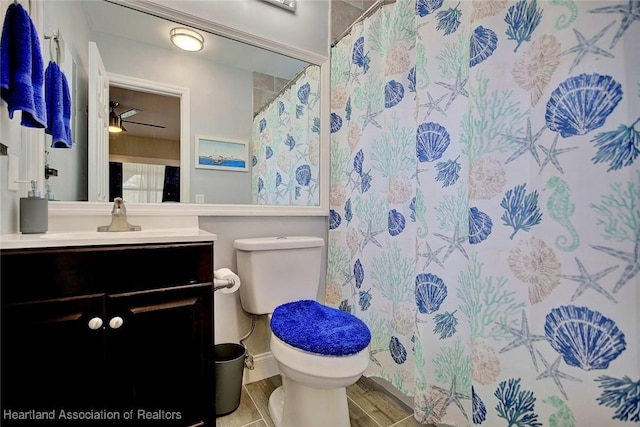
[[21, 68], [58, 101]]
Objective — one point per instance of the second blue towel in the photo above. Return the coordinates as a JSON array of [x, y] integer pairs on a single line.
[[58, 102]]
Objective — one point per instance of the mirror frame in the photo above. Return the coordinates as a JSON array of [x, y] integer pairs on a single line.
[[60, 208]]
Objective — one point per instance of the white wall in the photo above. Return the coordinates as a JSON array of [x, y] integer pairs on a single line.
[[307, 29]]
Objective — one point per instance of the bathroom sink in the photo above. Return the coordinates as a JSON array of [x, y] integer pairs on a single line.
[[96, 238], [83, 235], [126, 237]]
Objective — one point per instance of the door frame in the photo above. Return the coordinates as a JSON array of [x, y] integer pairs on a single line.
[[157, 88]]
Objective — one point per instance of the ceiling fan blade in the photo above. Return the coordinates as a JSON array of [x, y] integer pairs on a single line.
[[143, 124], [129, 113]]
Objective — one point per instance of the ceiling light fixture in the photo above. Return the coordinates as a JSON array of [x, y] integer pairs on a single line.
[[187, 39], [290, 5]]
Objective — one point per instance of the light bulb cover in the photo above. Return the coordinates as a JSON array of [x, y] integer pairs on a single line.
[[289, 5], [187, 39], [114, 123]]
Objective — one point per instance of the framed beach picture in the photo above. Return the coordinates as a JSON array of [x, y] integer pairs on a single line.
[[222, 153]]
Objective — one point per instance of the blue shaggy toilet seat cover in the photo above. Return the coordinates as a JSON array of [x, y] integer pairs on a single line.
[[316, 328]]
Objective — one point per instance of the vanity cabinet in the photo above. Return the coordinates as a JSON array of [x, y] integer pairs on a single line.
[[117, 331]]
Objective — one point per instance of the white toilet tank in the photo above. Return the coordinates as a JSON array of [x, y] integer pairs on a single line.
[[276, 270]]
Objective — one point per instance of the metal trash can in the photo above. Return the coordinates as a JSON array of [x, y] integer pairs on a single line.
[[229, 361]]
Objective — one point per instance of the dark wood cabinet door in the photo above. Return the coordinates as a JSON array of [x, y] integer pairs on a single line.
[[52, 359], [160, 353]]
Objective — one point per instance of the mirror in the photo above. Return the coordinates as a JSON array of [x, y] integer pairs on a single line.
[[228, 83]]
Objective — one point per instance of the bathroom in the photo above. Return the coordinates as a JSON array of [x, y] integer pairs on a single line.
[[233, 224]]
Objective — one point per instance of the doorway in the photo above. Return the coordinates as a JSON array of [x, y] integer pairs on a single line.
[[144, 152]]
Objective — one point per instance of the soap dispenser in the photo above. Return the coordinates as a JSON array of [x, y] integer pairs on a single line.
[[34, 212]]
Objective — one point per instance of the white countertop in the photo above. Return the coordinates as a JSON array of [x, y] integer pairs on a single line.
[[95, 238]]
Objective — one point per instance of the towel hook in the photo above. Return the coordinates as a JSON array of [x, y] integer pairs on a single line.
[[54, 38]]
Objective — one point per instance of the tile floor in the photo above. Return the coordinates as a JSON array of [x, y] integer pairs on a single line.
[[369, 406]]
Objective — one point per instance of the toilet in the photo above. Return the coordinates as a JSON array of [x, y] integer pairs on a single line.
[[319, 350]]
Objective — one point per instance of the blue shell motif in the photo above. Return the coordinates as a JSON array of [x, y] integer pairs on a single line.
[[334, 219], [432, 140], [364, 300], [254, 161], [281, 108], [479, 409], [582, 103], [336, 122], [303, 93], [427, 7], [260, 185], [430, 292], [299, 111], [585, 338], [358, 57], [397, 350], [268, 152], [484, 42], [316, 125], [278, 179], [263, 124], [393, 93], [303, 175], [396, 222], [290, 142], [480, 225], [358, 273]]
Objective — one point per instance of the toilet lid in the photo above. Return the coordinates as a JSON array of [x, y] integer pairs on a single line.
[[316, 328]]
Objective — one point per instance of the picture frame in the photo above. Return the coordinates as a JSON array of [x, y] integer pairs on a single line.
[[221, 154]]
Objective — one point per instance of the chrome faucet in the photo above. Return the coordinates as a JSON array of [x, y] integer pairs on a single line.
[[119, 218]]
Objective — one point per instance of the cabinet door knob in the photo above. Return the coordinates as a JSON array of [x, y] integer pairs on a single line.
[[116, 322], [95, 323]]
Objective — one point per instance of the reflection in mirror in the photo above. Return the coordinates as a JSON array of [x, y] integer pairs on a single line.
[[146, 133], [236, 91]]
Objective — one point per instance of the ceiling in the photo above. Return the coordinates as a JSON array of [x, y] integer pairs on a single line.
[[153, 109]]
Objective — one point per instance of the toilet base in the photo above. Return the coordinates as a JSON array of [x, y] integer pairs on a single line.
[[309, 407]]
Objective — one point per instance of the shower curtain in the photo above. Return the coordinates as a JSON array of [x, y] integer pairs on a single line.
[[485, 207], [285, 145]]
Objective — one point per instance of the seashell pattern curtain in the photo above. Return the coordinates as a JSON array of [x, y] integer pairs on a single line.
[[485, 207], [286, 146]]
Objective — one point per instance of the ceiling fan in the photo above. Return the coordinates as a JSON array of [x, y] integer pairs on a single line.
[[116, 120]]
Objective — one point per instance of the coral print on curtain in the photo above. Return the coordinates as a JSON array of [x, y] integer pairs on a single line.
[[485, 207], [286, 145]]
